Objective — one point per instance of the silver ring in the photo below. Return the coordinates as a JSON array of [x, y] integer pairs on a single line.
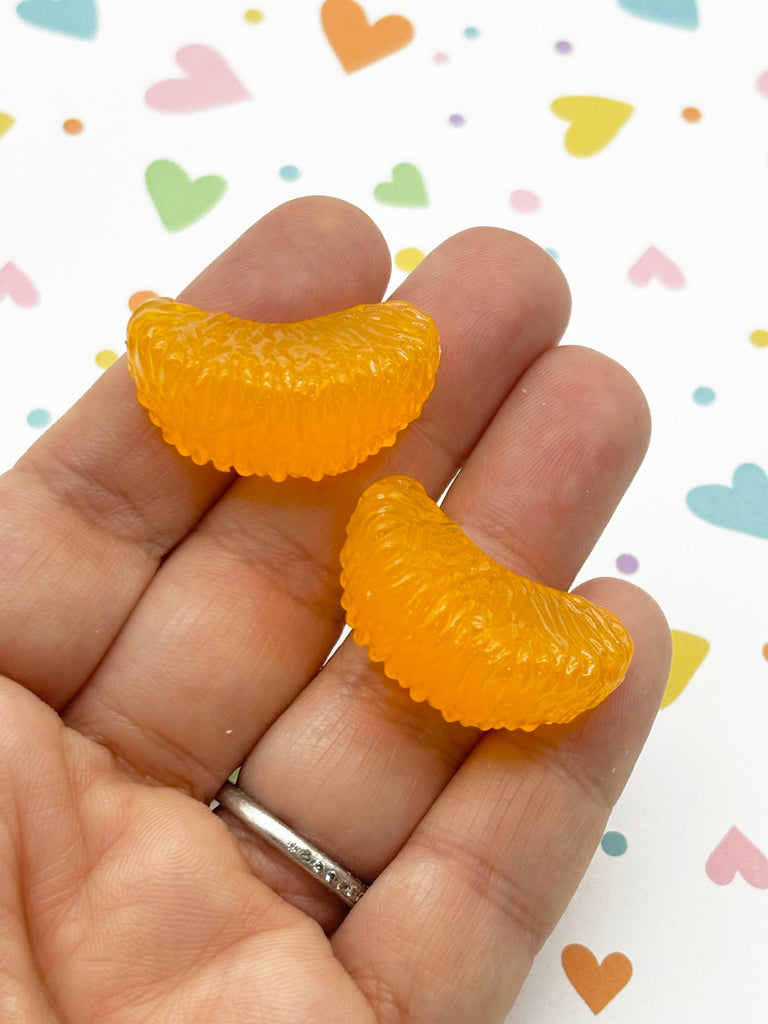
[[326, 870]]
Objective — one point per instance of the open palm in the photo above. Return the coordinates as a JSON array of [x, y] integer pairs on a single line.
[[162, 623]]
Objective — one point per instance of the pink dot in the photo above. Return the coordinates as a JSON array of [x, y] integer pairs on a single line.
[[762, 83], [524, 201], [440, 58]]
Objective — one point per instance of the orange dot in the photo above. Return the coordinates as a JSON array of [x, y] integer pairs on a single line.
[[691, 115], [73, 126], [765, 651], [138, 297]]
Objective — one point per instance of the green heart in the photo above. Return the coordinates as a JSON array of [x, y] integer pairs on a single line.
[[178, 199], [406, 188]]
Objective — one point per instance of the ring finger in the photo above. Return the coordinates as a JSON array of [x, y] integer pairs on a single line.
[[354, 763]]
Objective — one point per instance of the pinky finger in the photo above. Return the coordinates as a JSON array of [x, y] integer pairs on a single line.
[[450, 929]]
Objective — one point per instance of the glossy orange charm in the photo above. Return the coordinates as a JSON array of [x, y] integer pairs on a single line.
[[485, 646], [301, 399]]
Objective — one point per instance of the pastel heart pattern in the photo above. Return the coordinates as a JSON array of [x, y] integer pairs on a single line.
[[688, 652], [17, 286], [594, 120], [406, 187], [179, 200], [596, 983], [209, 82], [737, 854], [678, 13], [742, 507], [654, 265], [355, 41], [78, 18]]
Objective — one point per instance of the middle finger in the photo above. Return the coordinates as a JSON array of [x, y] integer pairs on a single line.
[[243, 614]]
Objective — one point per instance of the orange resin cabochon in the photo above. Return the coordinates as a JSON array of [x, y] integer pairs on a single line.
[[300, 399], [484, 646]]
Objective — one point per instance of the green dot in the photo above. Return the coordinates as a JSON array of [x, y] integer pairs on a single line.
[[614, 844]]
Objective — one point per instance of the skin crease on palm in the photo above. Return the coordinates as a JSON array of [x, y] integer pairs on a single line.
[[162, 623]]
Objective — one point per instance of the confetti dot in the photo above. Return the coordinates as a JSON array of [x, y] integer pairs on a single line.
[[524, 201], [704, 396], [553, 253], [73, 126], [563, 46], [38, 418], [614, 844], [759, 338], [253, 17], [691, 115], [408, 259], [627, 564], [138, 297], [762, 84], [456, 120], [440, 58], [105, 358], [289, 172], [765, 651], [471, 33]]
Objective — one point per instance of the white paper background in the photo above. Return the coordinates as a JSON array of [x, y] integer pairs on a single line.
[[76, 218]]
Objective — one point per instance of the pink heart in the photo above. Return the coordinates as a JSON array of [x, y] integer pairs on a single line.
[[18, 286], [735, 853], [654, 263], [210, 82]]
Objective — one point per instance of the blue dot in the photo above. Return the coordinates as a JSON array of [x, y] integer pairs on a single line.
[[704, 396], [553, 253], [614, 844], [471, 33], [289, 172], [38, 418]]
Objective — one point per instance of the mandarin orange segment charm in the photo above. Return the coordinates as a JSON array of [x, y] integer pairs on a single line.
[[486, 647], [302, 399]]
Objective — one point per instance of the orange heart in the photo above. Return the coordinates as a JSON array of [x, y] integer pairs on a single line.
[[597, 984], [357, 42]]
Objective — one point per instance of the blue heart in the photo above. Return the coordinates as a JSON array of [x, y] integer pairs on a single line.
[[679, 13], [73, 17], [743, 507]]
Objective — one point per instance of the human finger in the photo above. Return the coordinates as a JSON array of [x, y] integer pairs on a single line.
[[450, 929], [354, 761], [88, 514]]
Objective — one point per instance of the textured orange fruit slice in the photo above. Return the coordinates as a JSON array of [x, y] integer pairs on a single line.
[[485, 646], [300, 399]]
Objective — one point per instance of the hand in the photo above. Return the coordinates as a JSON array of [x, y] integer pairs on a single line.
[[163, 623]]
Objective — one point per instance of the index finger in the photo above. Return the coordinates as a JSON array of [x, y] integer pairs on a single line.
[[88, 513]]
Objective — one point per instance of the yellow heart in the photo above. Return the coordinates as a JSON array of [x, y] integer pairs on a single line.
[[688, 652], [594, 121], [6, 121]]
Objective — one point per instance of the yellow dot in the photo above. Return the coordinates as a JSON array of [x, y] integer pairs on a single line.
[[408, 259], [73, 126], [691, 114], [253, 17], [105, 358], [759, 338], [138, 297]]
